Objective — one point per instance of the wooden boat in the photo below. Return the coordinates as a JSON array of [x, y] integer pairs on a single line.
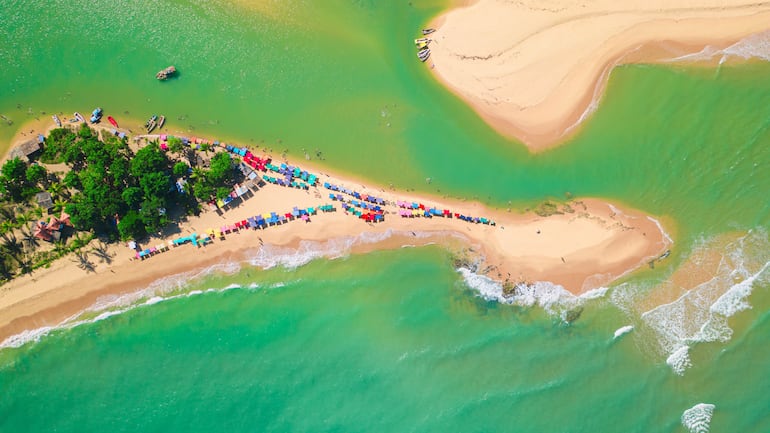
[[151, 124], [112, 121], [56, 120], [79, 117], [421, 41], [161, 121], [423, 54], [428, 31], [165, 73]]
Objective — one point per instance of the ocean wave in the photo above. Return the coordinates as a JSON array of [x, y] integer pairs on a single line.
[[173, 286], [701, 313], [697, 419], [552, 298], [679, 359], [622, 331]]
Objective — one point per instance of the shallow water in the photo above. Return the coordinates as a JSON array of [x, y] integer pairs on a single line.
[[324, 351]]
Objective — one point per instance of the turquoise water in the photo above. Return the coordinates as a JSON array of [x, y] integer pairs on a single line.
[[324, 351], [403, 345]]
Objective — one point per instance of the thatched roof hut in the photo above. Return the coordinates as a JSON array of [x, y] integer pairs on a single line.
[[25, 151], [44, 200]]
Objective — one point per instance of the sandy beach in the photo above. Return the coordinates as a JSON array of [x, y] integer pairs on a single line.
[[535, 70], [589, 243]]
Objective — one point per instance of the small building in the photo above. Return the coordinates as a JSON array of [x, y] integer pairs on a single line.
[[44, 200], [26, 151]]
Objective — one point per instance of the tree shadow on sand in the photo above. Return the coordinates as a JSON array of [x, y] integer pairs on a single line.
[[81, 259], [102, 252]]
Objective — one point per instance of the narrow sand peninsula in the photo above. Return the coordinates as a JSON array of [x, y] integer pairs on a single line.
[[589, 245], [534, 68]]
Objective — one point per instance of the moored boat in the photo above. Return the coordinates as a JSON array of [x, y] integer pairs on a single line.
[[112, 121], [151, 124], [428, 31], [56, 120], [165, 73], [96, 115], [423, 54], [161, 121], [79, 117]]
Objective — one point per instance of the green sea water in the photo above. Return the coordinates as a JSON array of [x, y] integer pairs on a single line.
[[392, 341]]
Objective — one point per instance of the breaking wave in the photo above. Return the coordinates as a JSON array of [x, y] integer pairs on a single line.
[[174, 286], [701, 313], [622, 331], [552, 298], [697, 419]]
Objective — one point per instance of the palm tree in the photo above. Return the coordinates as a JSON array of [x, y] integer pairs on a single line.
[[6, 226], [23, 218], [197, 173], [59, 248], [59, 204], [29, 237], [36, 212], [56, 189]]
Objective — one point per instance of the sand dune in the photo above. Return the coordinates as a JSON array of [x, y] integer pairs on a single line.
[[533, 68]]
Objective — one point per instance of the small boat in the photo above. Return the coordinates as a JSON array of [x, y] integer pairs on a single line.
[[161, 121], [79, 117], [165, 73], [421, 41], [428, 31], [152, 123], [423, 54], [112, 121], [96, 115], [56, 120]]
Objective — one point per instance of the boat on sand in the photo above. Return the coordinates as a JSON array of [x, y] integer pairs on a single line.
[[79, 117], [96, 116], [56, 120], [112, 121], [161, 121]]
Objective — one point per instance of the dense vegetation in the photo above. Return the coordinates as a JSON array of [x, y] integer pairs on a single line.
[[107, 189]]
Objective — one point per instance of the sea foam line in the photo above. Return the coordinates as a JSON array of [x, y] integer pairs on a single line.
[[552, 298], [701, 314], [161, 289]]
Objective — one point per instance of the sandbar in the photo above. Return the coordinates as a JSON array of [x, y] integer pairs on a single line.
[[535, 69], [585, 244]]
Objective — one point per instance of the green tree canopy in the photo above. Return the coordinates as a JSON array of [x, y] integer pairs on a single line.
[[181, 169], [131, 226], [149, 159], [35, 173]]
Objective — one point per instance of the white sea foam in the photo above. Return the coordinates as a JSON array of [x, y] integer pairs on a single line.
[[679, 360], [552, 298], [623, 331], [753, 46], [163, 288], [701, 314], [697, 419], [660, 227]]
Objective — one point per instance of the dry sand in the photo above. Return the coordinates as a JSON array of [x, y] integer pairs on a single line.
[[594, 244], [534, 69]]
